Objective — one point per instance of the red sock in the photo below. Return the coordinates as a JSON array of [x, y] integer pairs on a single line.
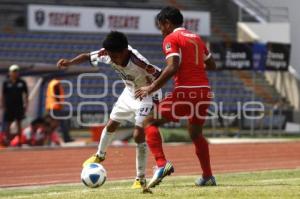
[[154, 142], [202, 151]]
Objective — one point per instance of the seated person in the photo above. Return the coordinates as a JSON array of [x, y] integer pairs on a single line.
[[32, 135]]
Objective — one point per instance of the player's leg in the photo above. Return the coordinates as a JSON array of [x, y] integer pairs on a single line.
[[141, 110], [19, 131], [141, 157], [65, 129], [64, 125], [107, 136], [19, 115], [154, 141], [118, 114], [201, 105], [6, 129], [9, 117], [153, 136], [202, 152]]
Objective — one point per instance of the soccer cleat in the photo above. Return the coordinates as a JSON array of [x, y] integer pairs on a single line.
[[160, 173], [210, 181], [139, 183], [93, 159]]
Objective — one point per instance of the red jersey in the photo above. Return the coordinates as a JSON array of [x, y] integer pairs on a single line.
[[192, 53]]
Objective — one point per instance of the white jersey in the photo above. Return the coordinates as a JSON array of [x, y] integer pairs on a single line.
[[138, 72], [29, 135]]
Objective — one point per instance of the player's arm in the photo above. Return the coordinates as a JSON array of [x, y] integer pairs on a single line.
[[81, 58], [95, 57], [210, 64], [172, 52], [209, 61], [168, 72]]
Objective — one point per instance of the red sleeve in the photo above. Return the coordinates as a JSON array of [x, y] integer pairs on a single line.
[[170, 46]]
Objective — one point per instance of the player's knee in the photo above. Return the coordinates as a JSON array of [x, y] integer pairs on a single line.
[[195, 132], [112, 126], [194, 135], [139, 135], [150, 121], [139, 139], [147, 122]]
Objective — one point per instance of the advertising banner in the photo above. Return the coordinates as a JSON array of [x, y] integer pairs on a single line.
[[238, 56], [251, 56], [99, 19], [218, 52], [278, 56], [232, 56]]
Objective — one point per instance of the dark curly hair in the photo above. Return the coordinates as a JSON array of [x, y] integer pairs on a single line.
[[115, 41], [170, 13]]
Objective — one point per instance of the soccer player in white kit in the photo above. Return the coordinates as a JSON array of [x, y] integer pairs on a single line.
[[136, 71]]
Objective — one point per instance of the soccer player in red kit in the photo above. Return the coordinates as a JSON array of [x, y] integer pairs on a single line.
[[187, 59]]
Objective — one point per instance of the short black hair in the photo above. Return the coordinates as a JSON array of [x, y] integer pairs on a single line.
[[38, 120], [170, 13], [115, 42]]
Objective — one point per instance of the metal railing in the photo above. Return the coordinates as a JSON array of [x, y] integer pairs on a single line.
[[262, 12]]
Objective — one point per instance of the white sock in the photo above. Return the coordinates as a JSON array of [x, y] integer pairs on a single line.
[[141, 160], [105, 141]]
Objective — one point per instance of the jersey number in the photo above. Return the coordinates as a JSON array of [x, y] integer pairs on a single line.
[[196, 50], [144, 111]]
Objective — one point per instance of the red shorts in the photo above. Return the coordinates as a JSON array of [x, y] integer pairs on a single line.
[[189, 103]]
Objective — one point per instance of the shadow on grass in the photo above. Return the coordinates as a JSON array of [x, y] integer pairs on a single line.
[[255, 185], [229, 185]]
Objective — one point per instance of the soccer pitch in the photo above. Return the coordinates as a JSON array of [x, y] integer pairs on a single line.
[[267, 184]]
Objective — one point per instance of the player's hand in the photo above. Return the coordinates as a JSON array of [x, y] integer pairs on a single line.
[[143, 92], [63, 63]]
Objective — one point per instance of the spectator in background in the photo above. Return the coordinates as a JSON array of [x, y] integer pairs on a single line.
[[280, 111], [54, 106], [14, 101], [33, 135], [42, 131]]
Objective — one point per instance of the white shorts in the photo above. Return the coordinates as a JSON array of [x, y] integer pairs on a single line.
[[127, 108]]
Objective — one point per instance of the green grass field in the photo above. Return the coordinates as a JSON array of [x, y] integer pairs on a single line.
[[268, 184]]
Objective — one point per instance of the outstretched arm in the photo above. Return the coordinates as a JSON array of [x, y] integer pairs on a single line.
[[65, 63]]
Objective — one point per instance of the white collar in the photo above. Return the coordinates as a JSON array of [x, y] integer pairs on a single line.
[[180, 28]]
